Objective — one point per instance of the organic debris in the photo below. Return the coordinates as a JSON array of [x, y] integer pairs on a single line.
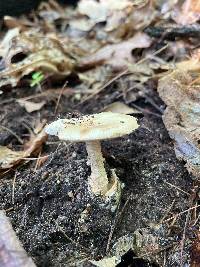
[[31, 106], [10, 158], [119, 107], [117, 55], [180, 92], [64, 62], [12, 252], [187, 13], [40, 53]]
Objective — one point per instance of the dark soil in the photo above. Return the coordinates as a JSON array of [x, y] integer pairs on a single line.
[[61, 224]]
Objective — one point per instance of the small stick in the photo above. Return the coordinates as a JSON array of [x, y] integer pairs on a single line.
[[178, 214], [12, 254], [14, 134], [13, 189], [181, 190], [167, 212], [59, 97], [70, 239], [182, 243], [116, 220]]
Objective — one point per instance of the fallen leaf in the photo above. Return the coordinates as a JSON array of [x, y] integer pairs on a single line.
[[44, 53], [108, 262], [11, 22], [98, 11], [35, 143], [182, 116], [10, 158], [188, 13], [31, 106], [117, 55], [119, 107], [81, 24], [7, 41]]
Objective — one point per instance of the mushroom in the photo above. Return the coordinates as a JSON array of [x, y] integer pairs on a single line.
[[92, 129]]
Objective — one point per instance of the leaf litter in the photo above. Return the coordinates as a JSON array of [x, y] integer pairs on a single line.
[[100, 46]]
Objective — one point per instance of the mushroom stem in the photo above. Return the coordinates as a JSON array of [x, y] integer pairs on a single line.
[[98, 180]]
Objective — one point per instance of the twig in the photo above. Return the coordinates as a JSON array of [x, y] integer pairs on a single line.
[[113, 226], [183, 239], [146, 111], [59, 97], [192, 208], [70, 239], [179, 189], [14, 134], [13, 189], [167, 212]]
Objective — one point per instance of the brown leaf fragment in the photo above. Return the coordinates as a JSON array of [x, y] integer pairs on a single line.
[[31, 106], [182, 115], [98, 11], [35, 143], [188, 13], [119, 107], [10, 158], [117, 55], [44, 53], [12, 253]]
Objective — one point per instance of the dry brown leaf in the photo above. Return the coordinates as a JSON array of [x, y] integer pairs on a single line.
[[45, 53], [98, 11], [10, 158], [22, 23], [31, 106], [182, 115], [35, 143], [6, 43], [119, 107], [117, 55], [188, 13], [81, 24]]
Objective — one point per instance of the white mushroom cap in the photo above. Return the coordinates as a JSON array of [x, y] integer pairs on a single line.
[[105, 125]]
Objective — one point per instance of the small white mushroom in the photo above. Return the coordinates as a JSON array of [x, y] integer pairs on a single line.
[[92, 129]]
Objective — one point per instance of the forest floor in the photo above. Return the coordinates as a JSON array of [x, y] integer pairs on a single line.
[[46, 194]]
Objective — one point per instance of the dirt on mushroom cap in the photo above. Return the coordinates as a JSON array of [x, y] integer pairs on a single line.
[[105, 125]]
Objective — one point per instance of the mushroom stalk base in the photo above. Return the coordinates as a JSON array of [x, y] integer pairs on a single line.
[[98, 180]]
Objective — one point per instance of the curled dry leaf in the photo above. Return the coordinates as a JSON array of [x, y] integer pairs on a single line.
[[180, 92], [117, 55], [10, 158], [45, 53]]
